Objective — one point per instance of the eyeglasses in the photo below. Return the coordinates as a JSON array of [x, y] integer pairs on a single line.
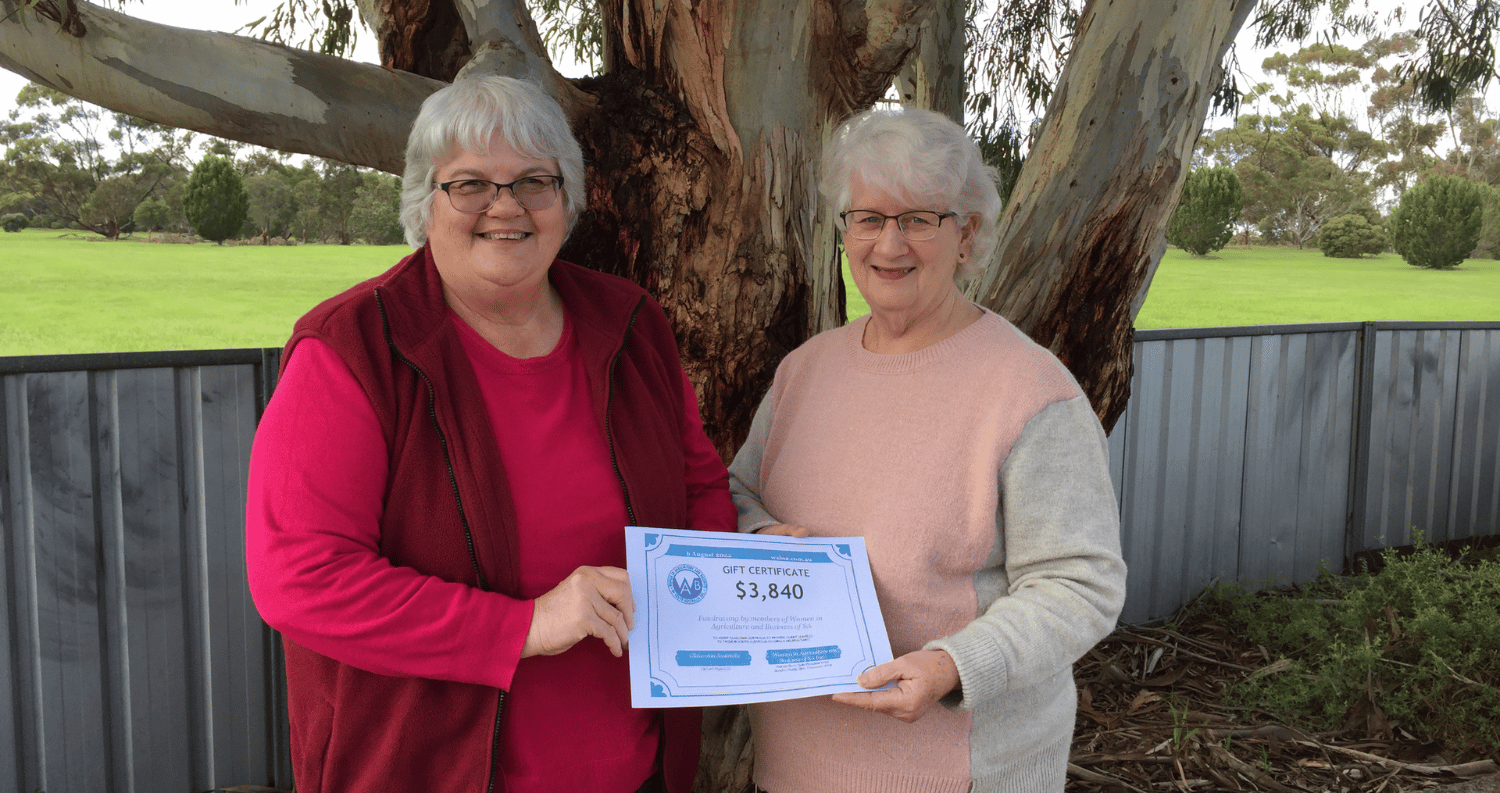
[[473, 196], [916, 225]]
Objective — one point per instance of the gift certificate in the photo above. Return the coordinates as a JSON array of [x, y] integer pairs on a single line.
[[726, 618]]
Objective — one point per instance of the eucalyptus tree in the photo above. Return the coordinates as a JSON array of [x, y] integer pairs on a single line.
[[70, 160], [707, 117]]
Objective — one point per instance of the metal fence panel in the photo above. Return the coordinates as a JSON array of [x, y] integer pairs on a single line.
[[1257, 453], [134, 660], [1475, 501], [1413, 405], [1180, 469]]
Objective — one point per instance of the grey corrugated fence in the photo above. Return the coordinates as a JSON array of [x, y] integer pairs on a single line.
[[134, 659], [1257, 453]]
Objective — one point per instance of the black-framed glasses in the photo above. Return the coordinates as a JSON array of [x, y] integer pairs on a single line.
[[916, 225], [473, 196]]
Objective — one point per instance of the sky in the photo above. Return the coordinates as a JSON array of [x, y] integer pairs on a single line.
[[224, 15]]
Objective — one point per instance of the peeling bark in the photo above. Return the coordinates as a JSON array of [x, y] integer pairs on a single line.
[[1086, 224], [424, 37], [260, 93]]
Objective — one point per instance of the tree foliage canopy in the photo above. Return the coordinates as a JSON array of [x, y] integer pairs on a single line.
[[1438, 222], [215, 200], [1211, 202], [1351, 237]]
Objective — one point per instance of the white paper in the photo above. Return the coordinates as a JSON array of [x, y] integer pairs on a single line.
[[727, 618]]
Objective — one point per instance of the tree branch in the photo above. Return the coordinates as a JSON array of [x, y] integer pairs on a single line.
[[218, 84]]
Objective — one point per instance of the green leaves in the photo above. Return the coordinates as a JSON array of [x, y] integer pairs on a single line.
[[1438, 222], [215, 201], [1351, 237], [1211, 202], [1416, 647]]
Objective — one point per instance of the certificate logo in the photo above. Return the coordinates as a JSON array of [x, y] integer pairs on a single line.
[[687, 583]]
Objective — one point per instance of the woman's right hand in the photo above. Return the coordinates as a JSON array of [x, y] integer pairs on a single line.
[[591, 601], [784, 529]]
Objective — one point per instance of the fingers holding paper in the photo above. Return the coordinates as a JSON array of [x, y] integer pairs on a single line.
[[591, 601], [783, 529], [922, 678]]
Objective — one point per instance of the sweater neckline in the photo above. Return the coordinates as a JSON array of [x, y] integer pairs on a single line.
[[903, 363], [486, 355]]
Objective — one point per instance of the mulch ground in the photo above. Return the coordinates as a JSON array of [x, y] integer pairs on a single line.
[[1151, 717]]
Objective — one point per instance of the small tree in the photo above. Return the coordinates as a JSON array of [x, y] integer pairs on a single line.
[[271, 204], [153, 214], [110, 207], [13, 222], [1211, 202], [1351, 237], [1488, 246], [1438, 222], [376, 217], [215, 200]]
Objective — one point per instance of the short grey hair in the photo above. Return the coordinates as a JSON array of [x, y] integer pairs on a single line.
[[466, 115], [919, 155]]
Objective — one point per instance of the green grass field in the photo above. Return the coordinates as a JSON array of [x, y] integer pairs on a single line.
[[1275, 286], [80, 293], [67, 293]]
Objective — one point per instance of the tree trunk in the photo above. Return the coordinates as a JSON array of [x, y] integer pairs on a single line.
[[1086, 225]]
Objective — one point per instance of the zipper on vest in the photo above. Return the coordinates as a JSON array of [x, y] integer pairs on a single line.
[[609, 403], [463, 517]]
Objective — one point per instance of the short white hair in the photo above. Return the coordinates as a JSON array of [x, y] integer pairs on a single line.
[[921, 156], [466, 115]]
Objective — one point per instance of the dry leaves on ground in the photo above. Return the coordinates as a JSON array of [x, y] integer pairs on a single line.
[[1151, 717]]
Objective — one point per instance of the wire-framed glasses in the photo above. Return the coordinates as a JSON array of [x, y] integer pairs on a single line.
[[916, 225], [473, 196]]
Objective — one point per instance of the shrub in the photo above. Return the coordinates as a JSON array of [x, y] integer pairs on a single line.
[[215, 200], [1438, 222], [1416, 646], [13, 222], [153, 214], [1351, 237], [1211, 202]]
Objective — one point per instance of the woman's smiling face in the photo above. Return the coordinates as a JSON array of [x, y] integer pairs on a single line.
[[895, 274], [506, 246]]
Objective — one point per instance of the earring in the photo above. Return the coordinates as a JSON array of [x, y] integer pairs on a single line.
[[962, 256]]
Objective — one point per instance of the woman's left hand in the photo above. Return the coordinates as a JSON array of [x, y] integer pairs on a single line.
[[922, 678]]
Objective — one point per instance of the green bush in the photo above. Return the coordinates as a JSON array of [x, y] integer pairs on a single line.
[[153, 214], [1438, 222], [1211, 202], [1416, 646], [14, 222], [1351, 237], [215, 200], [1488, 246]]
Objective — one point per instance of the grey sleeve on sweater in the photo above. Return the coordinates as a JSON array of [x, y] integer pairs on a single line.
[[744, 472], [1062, 582]]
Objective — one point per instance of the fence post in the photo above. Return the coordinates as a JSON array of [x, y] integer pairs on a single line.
[[1359, 481]]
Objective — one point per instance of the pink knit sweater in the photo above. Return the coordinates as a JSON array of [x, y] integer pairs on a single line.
[[977, 474]]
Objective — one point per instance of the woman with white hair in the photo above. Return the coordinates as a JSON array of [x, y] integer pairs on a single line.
[[438, 488], [973, 466]]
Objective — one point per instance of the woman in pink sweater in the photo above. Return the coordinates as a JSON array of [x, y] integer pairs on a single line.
[[973, 466]]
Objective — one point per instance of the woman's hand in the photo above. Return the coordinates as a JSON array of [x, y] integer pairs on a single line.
[[784, 529], [922, 678], [591, 601]]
